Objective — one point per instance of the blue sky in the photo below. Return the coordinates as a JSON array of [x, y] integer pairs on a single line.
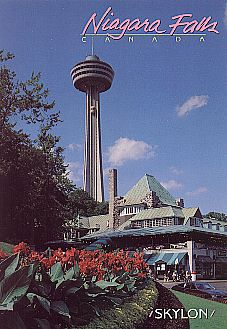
[[165, 113]]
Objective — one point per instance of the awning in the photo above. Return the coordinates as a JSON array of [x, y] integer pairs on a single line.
[[170, 258]]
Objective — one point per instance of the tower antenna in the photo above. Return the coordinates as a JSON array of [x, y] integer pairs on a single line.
[[92, 45]]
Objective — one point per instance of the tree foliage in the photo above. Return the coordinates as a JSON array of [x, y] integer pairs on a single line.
[[216, 215], [24, 100], [81, 203]]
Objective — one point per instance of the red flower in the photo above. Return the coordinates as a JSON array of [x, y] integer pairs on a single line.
[[95, 263], [3, 254], [23, 248]]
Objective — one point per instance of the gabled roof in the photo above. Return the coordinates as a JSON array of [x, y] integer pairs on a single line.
[[163, 212], [124, 225], [99, 221], [145, 185], [191, 212]]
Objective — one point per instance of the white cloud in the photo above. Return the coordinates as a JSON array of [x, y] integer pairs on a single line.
[[75, 171], [192, 103], [74, 147], [225, 15], [176, 171], [125, 149], [199, 190], [172, 184]]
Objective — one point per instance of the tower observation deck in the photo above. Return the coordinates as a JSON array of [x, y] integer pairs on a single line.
[[93, 77]]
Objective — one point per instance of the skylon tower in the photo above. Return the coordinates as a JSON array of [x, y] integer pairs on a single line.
[[93, 77]]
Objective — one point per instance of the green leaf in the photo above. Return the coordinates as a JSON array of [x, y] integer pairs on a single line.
[[8, 307], [69, 283], [60, 307], [11, 320], [72, 290], [45, 303], [69, 274], [86, 285], [8, 266], [43, 323], [93, 279], [73, 272], [121, 286], [96, 309], [111, 277], [76, 270], [56, 272], [115, 300], [60, 283], [15, 286], [114, 279], [106, 284], [93, 295], [131, 285]]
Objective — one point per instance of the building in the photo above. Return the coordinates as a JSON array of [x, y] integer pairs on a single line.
[[149, 218], [93, 77]]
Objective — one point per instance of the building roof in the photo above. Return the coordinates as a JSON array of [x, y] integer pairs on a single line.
[[215, 221], [99, 221], [124, 225], [145, 185], [83, 222], [161, 230], [191, 212], [162, 212]]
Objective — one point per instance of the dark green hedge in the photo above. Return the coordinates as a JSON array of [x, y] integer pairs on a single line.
[[130, 314]]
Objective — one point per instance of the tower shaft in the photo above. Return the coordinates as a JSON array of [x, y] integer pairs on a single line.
[[93, 172], [93, 77]]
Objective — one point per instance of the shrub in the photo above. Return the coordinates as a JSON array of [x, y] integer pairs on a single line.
[[59, 289], [130, 314]]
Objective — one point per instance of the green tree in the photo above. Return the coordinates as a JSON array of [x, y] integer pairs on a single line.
[[216, 215], [34, 185], [81, 203], [26, 100]]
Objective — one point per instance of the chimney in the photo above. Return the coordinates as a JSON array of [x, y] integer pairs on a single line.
[[112, 196], [180, 202]]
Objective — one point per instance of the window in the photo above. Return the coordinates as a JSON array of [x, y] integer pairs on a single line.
[[138, 223], [197, 222], [131, 210], [169, 221], [146, 223], [192, 221]]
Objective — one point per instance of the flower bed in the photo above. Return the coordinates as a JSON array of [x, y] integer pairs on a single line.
[[130, 315], [57, 289], [166, 300]]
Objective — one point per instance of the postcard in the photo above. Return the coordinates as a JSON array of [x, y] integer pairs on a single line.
[[113, 177]]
